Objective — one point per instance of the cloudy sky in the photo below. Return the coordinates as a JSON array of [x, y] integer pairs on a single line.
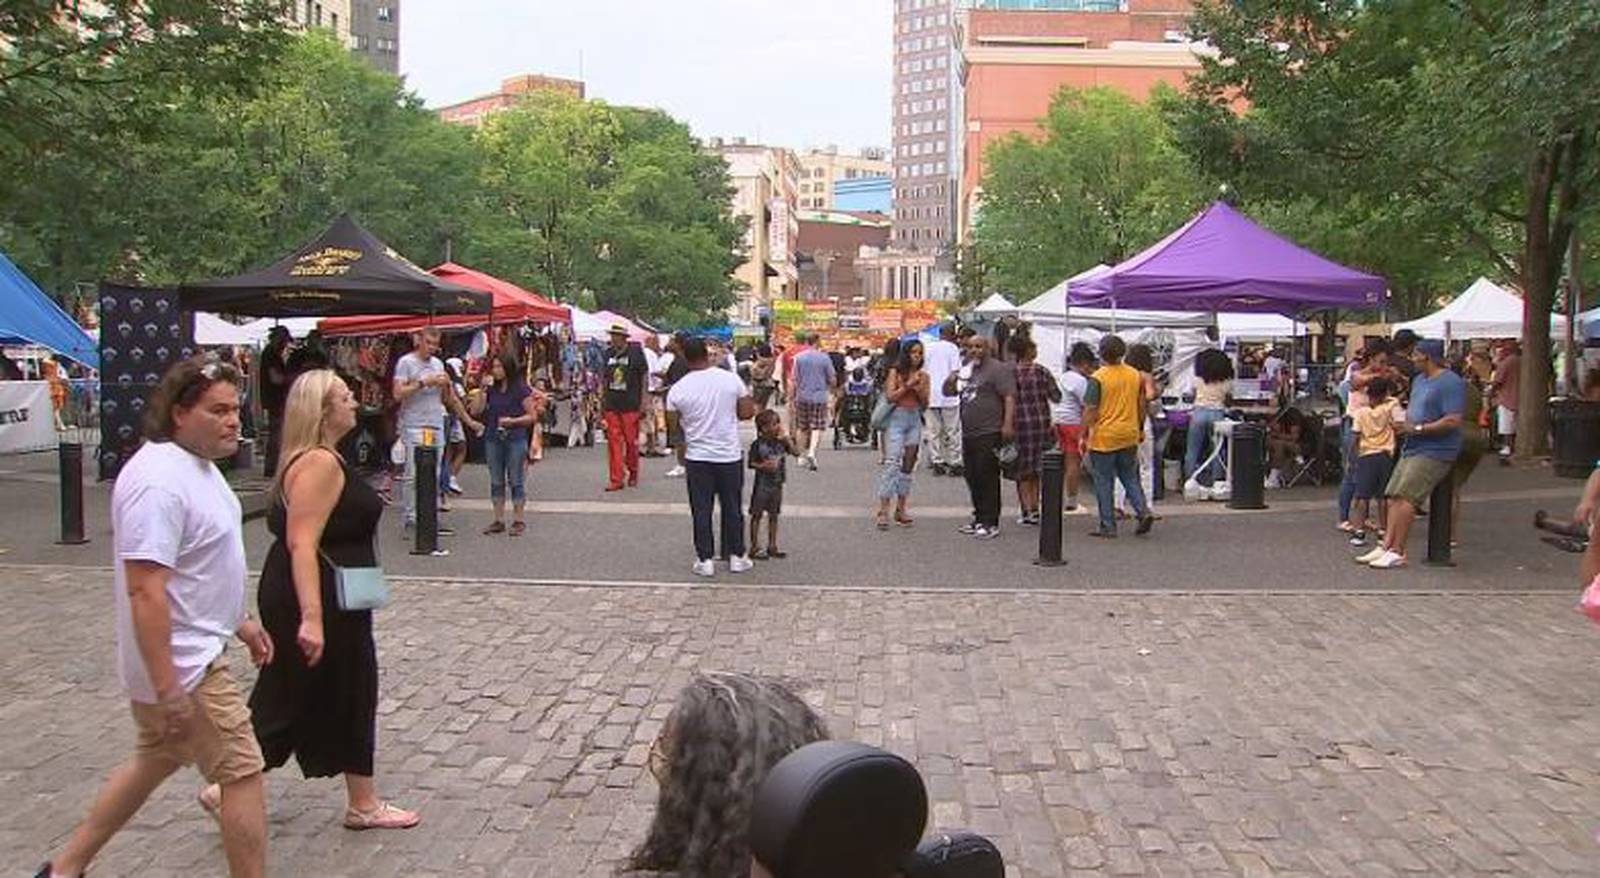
[[782, 71]]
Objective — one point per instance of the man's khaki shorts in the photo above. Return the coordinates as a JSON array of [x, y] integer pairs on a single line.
[[1415, 477], [220, 742]]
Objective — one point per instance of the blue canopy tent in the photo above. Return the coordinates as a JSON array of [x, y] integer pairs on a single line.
[[28, 316]]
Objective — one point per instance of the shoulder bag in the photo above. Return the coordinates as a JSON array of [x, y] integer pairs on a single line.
[[358, 588]]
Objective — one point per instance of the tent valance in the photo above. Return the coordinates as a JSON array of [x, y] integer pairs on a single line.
[[1050, 307], [1483, 310], [1222, 261], [511, 304], [28, 316], [345, 270]]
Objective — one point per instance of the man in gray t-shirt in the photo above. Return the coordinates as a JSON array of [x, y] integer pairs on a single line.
[[814, 380], [422, 387]]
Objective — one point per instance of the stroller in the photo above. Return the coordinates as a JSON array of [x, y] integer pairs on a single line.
[[854, 421]]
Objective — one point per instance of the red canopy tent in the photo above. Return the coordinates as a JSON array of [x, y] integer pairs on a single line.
[[512, 304]]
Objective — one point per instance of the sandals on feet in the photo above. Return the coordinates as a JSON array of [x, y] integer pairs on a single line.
[[904, 520], [883, 521], [759, 555], [774, 553], [518, 528], [498, 527], [385, 816]]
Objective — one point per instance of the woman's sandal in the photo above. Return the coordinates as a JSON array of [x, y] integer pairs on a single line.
[[883, 521], [385, 816], [518, 528], [759, 555], [498, 527], [774, 553], [904, 520]]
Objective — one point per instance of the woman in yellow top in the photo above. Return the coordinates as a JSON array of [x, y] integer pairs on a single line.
[[1114, 419]]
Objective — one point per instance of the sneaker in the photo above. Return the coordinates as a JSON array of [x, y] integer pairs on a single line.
[[1344, 527], [455, 486], [1146, 522], [1103, 533], [739, 564], [1025, 519], [969, 528], [984, 532], [1371, 556], [939, 469], [676, 472], [811, 464], [1388, 561], [1358, 538], [705, 568], [445, 531]]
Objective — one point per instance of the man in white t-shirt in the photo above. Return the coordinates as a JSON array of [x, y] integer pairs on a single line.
[[655, 395], [1067, 415], [939, 359], [180, 597], [422, 388], [707, 404]]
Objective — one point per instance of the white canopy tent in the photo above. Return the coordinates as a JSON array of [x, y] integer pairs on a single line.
[[209, 329], [1484, 310], [995, 306]]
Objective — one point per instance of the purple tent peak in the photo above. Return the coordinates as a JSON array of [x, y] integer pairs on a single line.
[[1223, 261]]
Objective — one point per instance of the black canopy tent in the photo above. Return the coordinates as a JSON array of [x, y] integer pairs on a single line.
[[344, 271]]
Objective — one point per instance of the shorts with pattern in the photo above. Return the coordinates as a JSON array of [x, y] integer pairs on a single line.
[[220, 741], [1415, 477], [810, 415]]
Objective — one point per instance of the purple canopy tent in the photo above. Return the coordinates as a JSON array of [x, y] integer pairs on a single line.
[[1223, 262]]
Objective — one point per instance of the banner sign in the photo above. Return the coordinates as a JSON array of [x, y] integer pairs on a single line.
[[26, 420]]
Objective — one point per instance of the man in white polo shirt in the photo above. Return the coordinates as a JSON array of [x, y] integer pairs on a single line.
[[940, 358], [180, 597], [708, 404]]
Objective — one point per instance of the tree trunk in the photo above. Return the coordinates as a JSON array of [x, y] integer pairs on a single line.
[[1539, 272]]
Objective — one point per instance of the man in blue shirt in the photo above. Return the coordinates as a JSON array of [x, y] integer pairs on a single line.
[[814, 380], [1433, 441]]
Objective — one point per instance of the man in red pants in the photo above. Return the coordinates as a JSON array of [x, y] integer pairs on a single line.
[[626, 369]]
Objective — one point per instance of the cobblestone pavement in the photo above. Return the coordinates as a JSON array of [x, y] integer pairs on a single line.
[[1127, 735]]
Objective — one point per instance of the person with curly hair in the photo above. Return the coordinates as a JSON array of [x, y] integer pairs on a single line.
[[716, 747]]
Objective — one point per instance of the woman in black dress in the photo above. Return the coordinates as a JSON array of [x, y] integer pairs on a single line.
[[318, 699]]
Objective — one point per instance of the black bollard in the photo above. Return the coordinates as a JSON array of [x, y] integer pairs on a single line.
[[1052, 473], [427, 485], [1247, 471], [70, 460], [1441, 505]]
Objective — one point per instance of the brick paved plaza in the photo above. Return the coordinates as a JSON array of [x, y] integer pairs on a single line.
[[1331, 734]]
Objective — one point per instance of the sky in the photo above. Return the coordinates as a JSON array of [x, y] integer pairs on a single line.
[[796, 73]]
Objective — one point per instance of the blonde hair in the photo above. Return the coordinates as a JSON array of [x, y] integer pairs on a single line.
[[304, 415]]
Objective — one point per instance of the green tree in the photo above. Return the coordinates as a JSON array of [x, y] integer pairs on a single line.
[[621, 202], [227, 181], [1457, 127], [1104, 181]]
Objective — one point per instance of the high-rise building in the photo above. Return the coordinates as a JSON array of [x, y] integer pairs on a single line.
[[766, 185], [926, 133], [821, 171], [371, 29], [1016, 55], [331, 15], [375, 32]]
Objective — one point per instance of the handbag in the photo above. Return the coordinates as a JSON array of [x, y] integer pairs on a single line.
[[358, 588], [881, 414], [1006, 454]]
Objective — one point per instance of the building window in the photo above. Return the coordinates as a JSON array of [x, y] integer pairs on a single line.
[[386, 13]]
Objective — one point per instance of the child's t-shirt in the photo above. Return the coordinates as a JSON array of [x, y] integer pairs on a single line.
[[763, 450], [1376, 425]]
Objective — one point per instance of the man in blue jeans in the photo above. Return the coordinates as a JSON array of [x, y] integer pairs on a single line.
[[707, 404], [1114, 418]]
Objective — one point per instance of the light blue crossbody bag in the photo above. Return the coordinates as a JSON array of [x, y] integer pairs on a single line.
[[358, 588]]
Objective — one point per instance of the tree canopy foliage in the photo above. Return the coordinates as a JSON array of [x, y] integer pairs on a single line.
[[1104, 181], [1435, 136], [219, 167]]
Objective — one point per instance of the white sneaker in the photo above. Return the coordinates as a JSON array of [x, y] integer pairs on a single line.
[[707, 567], [1376, 553], [1388, 561], [676, 472], [740, 563]]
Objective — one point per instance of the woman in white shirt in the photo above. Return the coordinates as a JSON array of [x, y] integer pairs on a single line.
[[1214, 370], [1067, 415]]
